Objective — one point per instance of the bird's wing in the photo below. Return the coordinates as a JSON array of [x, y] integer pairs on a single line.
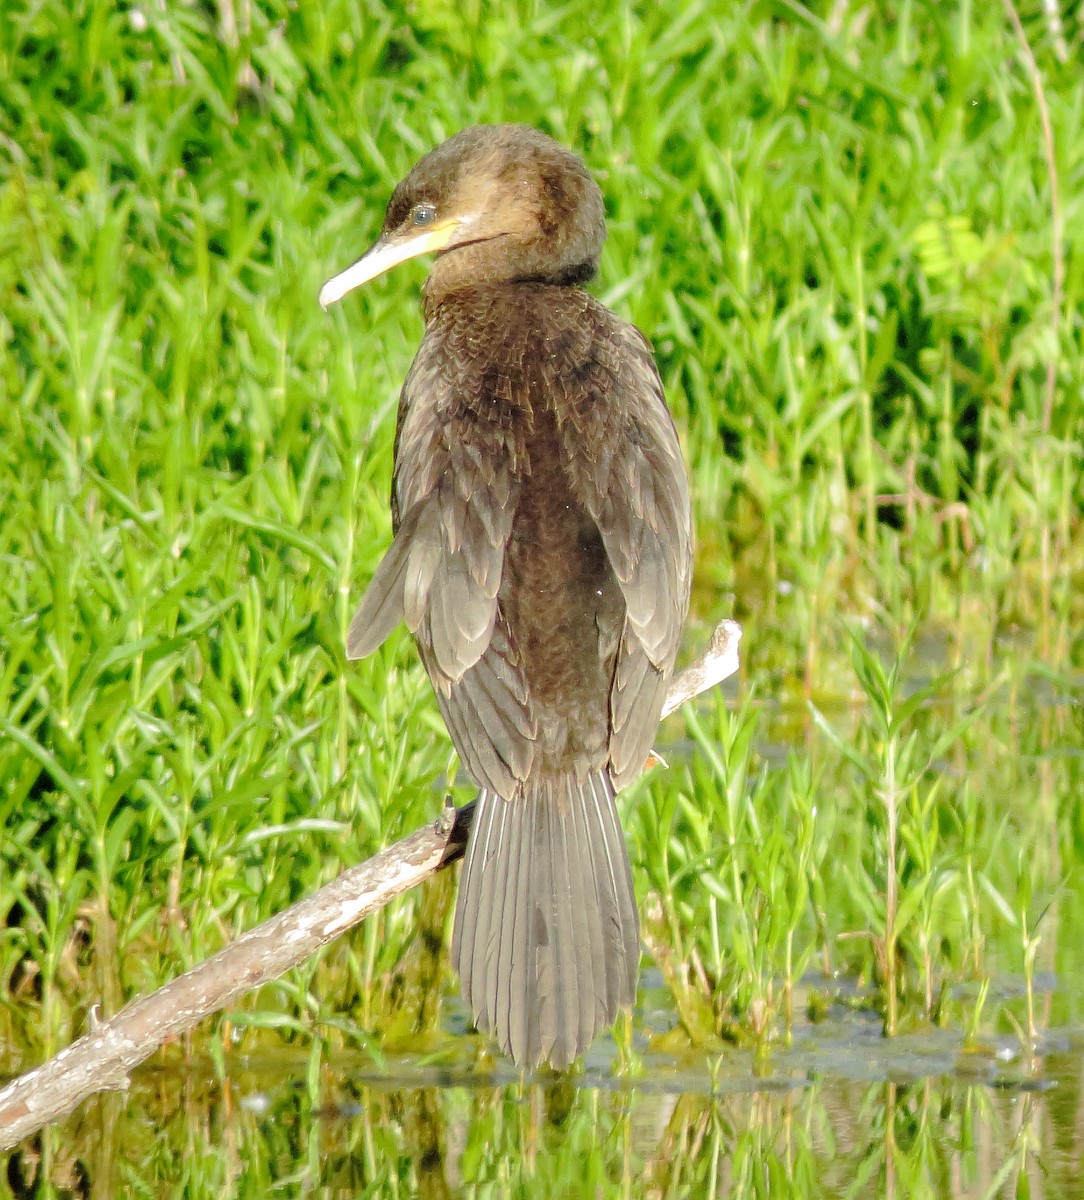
[[455, 497], [627, 471]]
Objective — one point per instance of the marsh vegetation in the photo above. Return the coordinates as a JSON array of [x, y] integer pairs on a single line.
[[835, 224]]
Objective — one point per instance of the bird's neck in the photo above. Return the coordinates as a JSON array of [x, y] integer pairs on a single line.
[[498, 261]]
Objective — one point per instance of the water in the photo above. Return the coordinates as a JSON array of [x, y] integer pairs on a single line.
[[840, 1111]]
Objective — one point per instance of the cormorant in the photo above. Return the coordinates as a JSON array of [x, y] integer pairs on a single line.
[[542, 561]]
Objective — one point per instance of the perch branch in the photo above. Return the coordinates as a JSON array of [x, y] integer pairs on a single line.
[[104, 1058]]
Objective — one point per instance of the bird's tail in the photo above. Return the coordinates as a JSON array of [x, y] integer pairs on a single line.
[[547, 941]]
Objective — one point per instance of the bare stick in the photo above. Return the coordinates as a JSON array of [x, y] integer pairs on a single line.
[[103, 1059], [718, 662]]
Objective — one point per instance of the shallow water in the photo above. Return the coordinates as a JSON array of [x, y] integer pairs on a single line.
[[840, 1111]]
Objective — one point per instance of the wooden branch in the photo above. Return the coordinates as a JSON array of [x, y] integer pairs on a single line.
[[718, 662], [103, 1059]]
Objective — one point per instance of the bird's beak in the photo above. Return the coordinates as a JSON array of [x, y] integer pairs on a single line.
[[385, 253]]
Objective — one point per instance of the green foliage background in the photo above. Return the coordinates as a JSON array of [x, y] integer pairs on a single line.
[[833, 221]]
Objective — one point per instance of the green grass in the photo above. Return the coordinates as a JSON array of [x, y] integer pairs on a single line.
[[833, 222]]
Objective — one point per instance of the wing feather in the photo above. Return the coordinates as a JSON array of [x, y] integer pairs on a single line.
[[458, 477], [632, 482], [456, 486]]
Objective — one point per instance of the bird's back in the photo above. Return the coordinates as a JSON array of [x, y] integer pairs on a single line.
[[543, 558]]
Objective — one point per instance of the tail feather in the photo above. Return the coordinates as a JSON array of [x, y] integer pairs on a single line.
[[546, 940], [605, 997], [521, 1018], [624, 923], [562, 1034], [469, 894], [577, 854]]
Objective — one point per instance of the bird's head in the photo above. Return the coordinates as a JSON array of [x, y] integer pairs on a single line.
[[496, 203]]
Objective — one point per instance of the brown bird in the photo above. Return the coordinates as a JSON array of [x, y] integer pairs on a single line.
[[541, 559]]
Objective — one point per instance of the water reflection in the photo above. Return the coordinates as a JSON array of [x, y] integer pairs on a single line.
[[421, 1128]]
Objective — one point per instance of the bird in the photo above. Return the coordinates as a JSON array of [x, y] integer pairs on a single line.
[[541, 557]]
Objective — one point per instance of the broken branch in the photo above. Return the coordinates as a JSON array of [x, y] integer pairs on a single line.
[[103, 1059]]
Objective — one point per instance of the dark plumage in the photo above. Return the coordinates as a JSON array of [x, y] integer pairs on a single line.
[[542, 561]]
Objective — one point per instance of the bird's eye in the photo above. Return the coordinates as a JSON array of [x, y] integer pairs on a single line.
[[422, 214]]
